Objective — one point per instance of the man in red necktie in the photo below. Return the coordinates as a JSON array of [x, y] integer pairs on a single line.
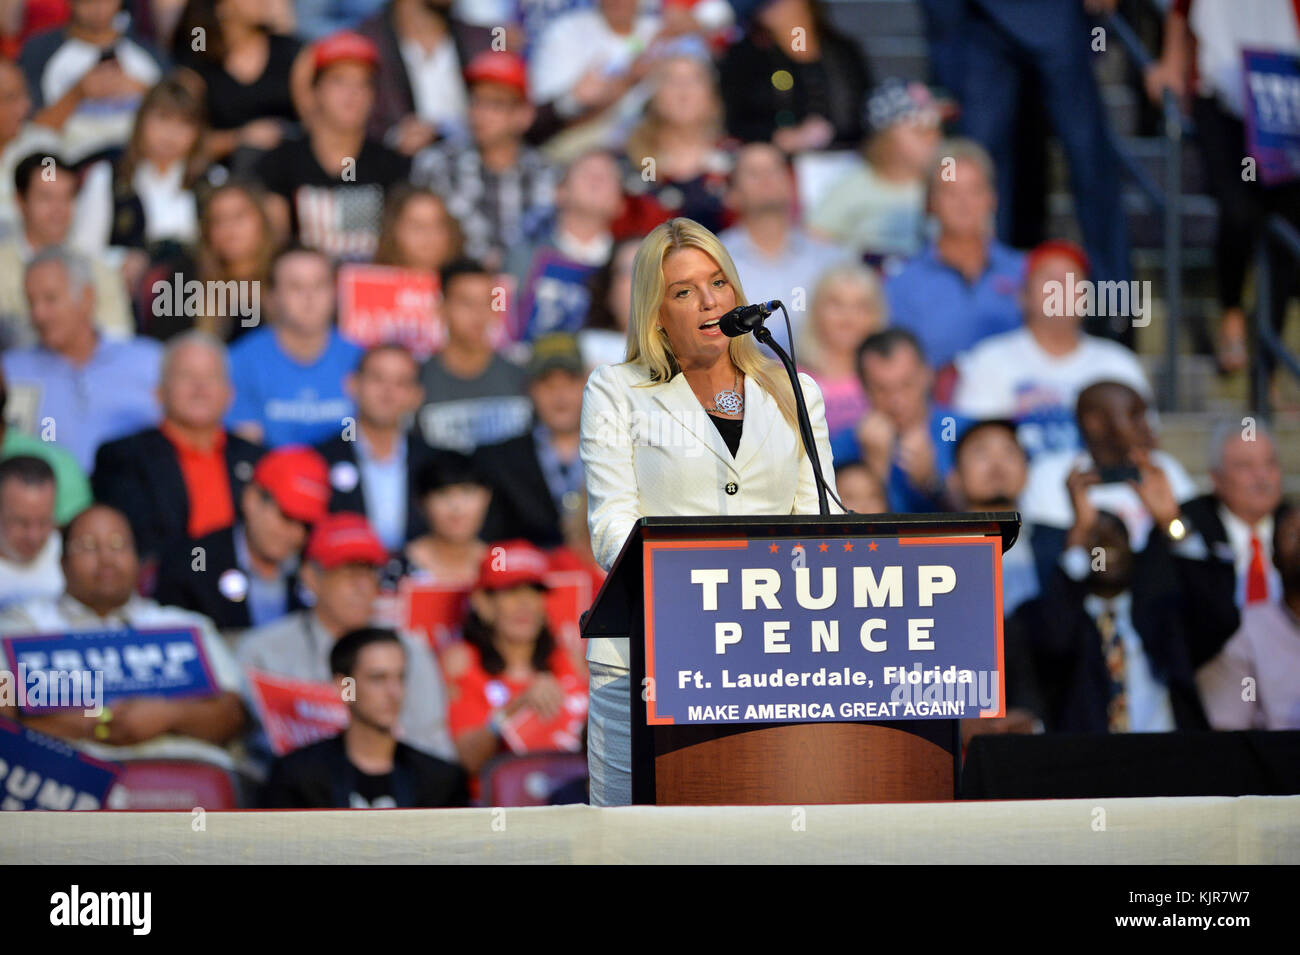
[[1237, 520]]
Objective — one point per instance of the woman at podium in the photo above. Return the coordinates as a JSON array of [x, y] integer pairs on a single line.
[[691, 423]]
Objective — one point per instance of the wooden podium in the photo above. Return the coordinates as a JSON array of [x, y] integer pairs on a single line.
[[865, 761]]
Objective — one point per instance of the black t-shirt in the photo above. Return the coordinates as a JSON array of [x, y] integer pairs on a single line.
[[340, 216], [321, 776], [231, 103], [372, 792], [730, 429]]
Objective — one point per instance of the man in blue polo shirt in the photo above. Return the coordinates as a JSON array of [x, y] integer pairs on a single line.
[[289, 378], [906, 440], [963, 287], [76, 387]]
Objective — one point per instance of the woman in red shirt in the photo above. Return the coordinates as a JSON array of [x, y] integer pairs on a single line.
[[519, 692]]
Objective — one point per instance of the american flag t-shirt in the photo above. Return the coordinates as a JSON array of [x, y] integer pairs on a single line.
[[341, 220]]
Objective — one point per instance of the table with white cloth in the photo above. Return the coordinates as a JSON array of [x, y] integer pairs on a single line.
[[1186, 830]]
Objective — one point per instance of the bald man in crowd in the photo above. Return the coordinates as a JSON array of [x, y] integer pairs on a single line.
[[180, 480]]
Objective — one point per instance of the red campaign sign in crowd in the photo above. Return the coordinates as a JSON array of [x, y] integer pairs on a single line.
[[437, 612], [296, 713], [526, 732], [380, 303]]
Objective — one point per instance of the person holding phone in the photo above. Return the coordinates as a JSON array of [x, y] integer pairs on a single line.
[[86, 79], [1121, 470]]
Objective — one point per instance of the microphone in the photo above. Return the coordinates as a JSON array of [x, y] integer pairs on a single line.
[[745, 318]]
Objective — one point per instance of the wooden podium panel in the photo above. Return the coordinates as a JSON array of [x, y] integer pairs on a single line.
[[804, 763]]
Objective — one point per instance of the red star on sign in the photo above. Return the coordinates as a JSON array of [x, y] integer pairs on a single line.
[[773, 548], [848, 545], [823, 547], [871, 546]]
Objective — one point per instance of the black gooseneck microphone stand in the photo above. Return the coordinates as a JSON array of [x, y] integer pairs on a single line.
[[805, 424]]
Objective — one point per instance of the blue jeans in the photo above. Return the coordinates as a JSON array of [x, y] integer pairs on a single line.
[[1012, 42], [609, 736]]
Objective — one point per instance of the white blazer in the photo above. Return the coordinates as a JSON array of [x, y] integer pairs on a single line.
[[652, 450]]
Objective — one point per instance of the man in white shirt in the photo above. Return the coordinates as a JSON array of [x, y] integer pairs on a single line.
[[1254, 683], [1034, 374], [29, 542], [88, 77], [101, 568], [1120, 467]]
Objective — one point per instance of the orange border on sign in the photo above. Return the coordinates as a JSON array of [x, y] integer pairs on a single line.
[[647, 559], [995, 547]]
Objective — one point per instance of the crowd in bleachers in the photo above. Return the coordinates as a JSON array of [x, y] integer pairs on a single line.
[[204, 424]]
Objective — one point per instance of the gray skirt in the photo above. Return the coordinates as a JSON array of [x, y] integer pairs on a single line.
[[609, 736]]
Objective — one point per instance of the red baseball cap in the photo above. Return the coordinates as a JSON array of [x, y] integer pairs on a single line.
[[298, 479], [1057, 247], [511, 563], [340, 539], [498, 66], [343, 46]]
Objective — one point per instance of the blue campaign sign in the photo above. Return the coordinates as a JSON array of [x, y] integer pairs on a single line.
[[41, 772], [1272, 96], [555, 297], [102, 666], [772, 631]]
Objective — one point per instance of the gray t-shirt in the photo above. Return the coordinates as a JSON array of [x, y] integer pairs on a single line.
[[462, 413]]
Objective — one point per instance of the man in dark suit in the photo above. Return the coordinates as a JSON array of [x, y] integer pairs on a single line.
[[373, 462], [1112, 629], [246, 575], [180, 480], [1236, 522], [536, 478]]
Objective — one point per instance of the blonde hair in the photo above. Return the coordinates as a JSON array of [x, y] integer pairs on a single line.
[[643, 140], [864, 277], [647, 342]]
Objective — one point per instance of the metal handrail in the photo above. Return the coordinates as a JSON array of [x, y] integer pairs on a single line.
[[1168, 202], [1286, 235], [1127, 36], [1177, 124]]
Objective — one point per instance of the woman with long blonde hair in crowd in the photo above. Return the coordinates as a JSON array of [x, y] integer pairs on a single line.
[[848, 304]]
